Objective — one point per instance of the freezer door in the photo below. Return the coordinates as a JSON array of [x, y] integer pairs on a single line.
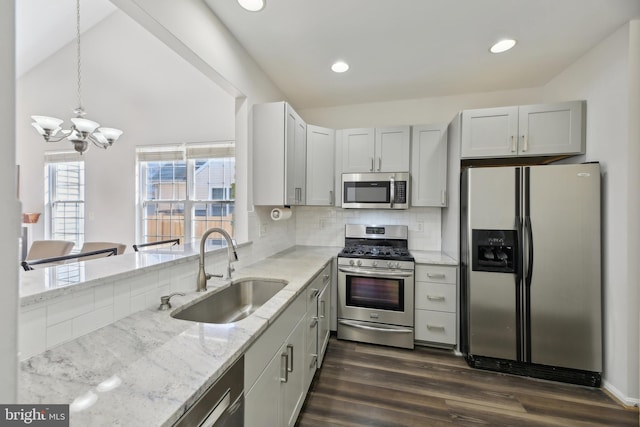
[[490, 296], [565, 291]]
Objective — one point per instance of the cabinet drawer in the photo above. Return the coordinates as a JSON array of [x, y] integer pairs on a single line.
[[435, 326], [435, 296], [435, 273]]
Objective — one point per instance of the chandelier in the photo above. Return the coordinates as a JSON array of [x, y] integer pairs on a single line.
[[82, 130]]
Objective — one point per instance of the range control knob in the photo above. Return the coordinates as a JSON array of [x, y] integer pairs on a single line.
[[374, 264], [351, 262], [389, 264], [359, 263]]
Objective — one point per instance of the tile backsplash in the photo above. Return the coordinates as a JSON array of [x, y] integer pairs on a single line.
[[324, 226]]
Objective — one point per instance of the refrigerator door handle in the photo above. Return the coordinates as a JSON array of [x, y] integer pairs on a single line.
[[527, 225]]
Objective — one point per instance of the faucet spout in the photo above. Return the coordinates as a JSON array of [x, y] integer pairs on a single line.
[[232, 256]]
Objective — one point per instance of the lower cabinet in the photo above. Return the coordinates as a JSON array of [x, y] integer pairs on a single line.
[[435, 303], [280, 365]]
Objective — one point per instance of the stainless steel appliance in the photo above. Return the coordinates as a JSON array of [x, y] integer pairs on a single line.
[[377, 190], [222, 405], [530, 270], [376, 286]]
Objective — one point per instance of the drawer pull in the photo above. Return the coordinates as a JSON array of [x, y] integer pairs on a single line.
[[435, 327], [435, 297], [314, 293], [313, 323], [436, 275]]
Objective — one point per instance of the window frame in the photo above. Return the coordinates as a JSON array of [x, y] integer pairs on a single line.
[[188, 153], [52, 198]]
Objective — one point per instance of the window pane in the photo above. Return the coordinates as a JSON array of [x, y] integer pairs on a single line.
[[212, 214], [164, 180], [65, 182], [163, 221], [215, 179]]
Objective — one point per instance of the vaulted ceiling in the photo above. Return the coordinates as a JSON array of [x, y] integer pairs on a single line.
[[397, 49]]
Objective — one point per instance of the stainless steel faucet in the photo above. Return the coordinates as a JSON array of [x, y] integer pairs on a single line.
[[232, 256]]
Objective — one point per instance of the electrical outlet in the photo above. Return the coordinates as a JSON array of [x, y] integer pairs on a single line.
[[322, 223], [419, 226], [263, 229]]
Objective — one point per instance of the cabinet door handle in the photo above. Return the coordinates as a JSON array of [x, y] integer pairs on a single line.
[[290, 351], [314, 293], [435, 327], [332, 201], [284, 367], [379, 164], [443, 197], [513, 144], [435, 297], [371, 165], [322, 308], [525, 143], [325, 278], [314, 361], [314, 322], [435, 275]]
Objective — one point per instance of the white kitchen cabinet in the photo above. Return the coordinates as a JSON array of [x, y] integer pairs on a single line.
[[528, 130], [376, 150], [320, 160], [318, 322], [279, 147], [429, 165], [277, 396], [281, 363], [435, 305]]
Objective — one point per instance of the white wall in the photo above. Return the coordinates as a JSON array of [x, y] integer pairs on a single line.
[[608, 80], [10, 225], [131, 81], [605, 78]]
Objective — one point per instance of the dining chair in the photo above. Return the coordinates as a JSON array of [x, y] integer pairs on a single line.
[[49, 249]]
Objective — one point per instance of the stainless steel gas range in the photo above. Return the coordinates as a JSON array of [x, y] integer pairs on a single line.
[[376, 286]]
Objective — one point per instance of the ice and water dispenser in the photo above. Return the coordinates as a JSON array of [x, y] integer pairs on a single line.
[[494, 250]]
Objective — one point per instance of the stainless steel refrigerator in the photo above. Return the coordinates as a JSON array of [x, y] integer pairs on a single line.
[[530, 271]]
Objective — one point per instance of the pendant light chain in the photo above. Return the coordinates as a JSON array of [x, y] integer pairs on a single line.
[[81, 110]]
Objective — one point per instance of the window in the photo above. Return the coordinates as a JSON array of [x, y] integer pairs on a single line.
[[64, 197], [184, 190]]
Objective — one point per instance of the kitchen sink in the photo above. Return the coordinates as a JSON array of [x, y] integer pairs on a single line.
[[235, 302]]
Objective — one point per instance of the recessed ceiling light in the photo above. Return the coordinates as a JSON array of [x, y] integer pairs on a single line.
[[252, 5], [502, 46], [340, 67]]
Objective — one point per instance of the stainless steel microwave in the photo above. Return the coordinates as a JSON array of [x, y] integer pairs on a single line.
[[377, 190]]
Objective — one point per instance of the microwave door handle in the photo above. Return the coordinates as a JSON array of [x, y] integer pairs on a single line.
[[392, 185]]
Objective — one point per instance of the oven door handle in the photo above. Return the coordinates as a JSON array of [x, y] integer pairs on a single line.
[[375, 273], [373, 328]]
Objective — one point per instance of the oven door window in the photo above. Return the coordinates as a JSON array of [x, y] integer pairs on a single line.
[[375, 292]]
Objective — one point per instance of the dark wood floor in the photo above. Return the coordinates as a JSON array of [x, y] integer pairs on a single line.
[[367, 385]]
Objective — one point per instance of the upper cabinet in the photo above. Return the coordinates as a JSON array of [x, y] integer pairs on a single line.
[[529, 130], [280, 141], [320, 160], [429, 165], [376, 150]]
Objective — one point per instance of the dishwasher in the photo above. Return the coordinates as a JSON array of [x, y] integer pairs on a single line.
[[222, 405]]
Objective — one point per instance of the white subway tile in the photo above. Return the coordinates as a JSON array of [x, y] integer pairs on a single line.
[[91, 321], [68, 308], [32, 327], [59, 333]]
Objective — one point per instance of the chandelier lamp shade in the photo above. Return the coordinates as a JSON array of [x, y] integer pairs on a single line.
[[82, 131]]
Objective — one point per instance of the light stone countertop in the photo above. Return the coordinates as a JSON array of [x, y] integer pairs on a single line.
[[43, 284], [147, 368], [433, 257]]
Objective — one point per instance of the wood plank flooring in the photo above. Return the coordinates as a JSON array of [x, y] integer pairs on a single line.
[[375, 386]]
